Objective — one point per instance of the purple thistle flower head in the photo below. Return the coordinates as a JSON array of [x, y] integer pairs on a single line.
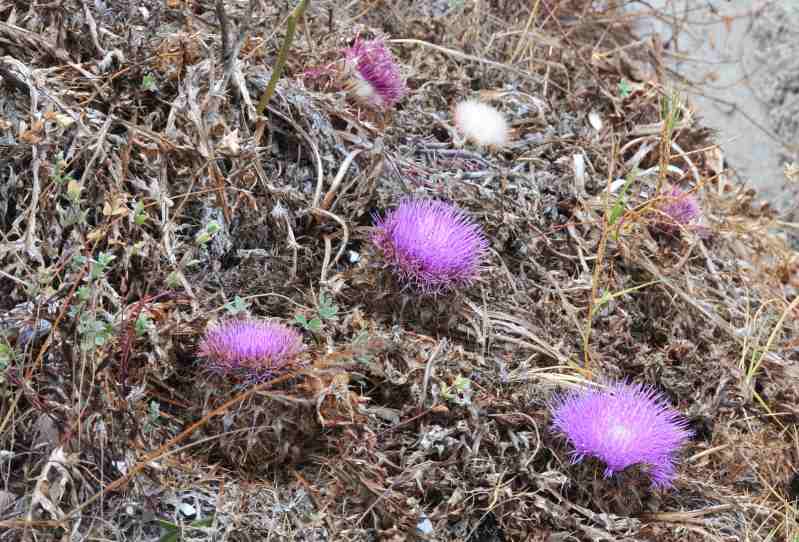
[[680, 209], [250, 349], [623, 425], [431, 246], [377, 78]]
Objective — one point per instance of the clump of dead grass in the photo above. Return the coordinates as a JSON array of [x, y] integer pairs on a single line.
[[142, 195]]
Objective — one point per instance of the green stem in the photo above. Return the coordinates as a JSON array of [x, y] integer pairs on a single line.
[[277, 70]]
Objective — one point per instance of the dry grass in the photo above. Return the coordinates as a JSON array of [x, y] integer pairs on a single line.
[[126, 132]]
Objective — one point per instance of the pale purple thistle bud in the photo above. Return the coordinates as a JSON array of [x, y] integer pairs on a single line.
[[377, 78], [431, 246], [623, 425], [250, 349], [681, 209]]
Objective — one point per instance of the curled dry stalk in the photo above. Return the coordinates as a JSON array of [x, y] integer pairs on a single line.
[[282, 56]]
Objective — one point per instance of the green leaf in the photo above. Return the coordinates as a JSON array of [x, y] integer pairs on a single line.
[[143, 324], [207, 522], [171, 529], [315, 325], [300, 319], [327, 313], [607, 296], [139, 215], [6, 355], [148, 83], [238, 305], [83, 293], [213, 227], [618, 208], [327, 309], [173, 280], [625, 89]]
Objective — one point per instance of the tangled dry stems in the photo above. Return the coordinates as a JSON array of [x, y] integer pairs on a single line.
[[172, 197]]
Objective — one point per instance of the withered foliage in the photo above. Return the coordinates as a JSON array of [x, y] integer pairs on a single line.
[[142, 198]]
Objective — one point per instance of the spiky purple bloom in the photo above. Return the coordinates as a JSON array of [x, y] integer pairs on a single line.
[[250, 349], [623, 425], [377, 78], [431, 246], [680, 208]]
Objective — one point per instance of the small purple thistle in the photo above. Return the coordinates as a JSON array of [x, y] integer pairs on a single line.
[[377, 77], [623, 425], [431, 246], [680, 208], [250, 349]]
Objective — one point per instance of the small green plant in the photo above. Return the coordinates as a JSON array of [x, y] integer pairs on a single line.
[[139, 216], [173, 280], [237, 306], [100, 265], [143, 324], [211, 229], [94, 332], [625, 89], [57, 175], [327, 310], [149, 83], [74, 190], [460, 392]]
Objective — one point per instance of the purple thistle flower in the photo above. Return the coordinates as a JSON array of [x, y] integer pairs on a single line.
[[377, 78], [431, 246], [680, 209], [251, 349], [623, 425]]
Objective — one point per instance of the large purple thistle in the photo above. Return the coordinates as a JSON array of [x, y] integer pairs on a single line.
[[377, 78], [680, 208], [430, 245], [623, 425], [250, 349]]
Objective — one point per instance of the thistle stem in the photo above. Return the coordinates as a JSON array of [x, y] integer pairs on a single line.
[[277, 70]]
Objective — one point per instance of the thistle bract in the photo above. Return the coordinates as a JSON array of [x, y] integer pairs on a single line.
[[430, 245], [680, 208], [250, 349], [376, 76], [623, 425]]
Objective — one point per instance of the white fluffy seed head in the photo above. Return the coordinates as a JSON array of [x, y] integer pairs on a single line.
[[481, 124]]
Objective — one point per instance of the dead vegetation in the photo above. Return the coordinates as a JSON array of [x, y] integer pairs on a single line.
[[141, 197]]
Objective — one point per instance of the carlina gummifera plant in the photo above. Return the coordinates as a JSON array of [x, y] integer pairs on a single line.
[[251, 350], [623, 424], [375, 76], [678, 209], [431, 246]]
